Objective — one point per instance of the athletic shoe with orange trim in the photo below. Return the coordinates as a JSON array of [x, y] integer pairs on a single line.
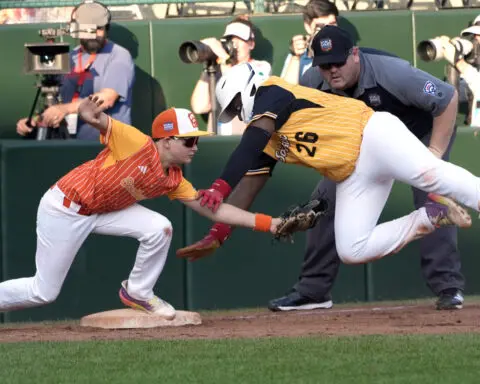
[[155, 306]]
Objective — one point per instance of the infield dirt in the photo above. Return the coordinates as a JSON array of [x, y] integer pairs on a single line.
[[344, 321]]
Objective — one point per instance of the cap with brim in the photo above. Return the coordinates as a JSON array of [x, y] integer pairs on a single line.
[[473, 30], [178, 122], [331, 45], [330, 59], [239, 30]]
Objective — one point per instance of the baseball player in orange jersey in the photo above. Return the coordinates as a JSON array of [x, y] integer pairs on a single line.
[[361, 150], [101, 197]]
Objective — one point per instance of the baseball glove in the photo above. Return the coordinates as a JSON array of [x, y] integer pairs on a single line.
[[300, 218]]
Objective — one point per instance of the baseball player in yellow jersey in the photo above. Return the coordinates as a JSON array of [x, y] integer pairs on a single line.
[[362, 150], [101, 195]]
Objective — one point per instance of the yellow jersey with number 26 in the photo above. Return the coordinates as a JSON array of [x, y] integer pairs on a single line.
[[313, 128]]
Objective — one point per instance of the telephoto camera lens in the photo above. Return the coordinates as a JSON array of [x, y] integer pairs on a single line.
[[430, 50], [195, 52]]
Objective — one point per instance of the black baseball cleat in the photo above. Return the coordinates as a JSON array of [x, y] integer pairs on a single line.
[[295, 301], [450, 299]]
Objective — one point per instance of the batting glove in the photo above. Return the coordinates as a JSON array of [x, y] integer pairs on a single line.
[[214, 196], [208, 245]]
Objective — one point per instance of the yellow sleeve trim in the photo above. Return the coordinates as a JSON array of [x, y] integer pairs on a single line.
[[124, 140], [184, 191]]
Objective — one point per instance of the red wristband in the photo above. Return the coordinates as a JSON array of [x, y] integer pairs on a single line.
[[221, 232], [262, 222], [222, 187]]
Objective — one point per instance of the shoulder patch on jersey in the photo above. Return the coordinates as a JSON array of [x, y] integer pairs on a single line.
[[429, 88], [374, 99]]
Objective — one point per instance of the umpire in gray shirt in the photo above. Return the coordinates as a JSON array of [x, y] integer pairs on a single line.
[[428, 107]]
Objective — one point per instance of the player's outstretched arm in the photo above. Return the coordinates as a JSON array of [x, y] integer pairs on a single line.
[[90, 110], [241, 197], [251, 146], [231, 215]]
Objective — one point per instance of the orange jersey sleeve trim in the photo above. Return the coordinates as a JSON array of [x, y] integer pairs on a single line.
[[184, 191], [123, 139]]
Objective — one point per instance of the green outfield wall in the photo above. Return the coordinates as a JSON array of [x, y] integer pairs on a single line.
[[249, 270]]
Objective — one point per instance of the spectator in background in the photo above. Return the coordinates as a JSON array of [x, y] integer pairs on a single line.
[[241, 31], [99, 66], [469, 86], [316, 14]]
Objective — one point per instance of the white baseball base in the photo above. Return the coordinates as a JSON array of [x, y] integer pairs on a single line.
[[131, 319]]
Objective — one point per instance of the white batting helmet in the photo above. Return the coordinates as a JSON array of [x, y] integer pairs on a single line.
[[236, 92]]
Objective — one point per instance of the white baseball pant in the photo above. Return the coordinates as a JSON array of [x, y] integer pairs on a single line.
[[61, 232], [389, 151]]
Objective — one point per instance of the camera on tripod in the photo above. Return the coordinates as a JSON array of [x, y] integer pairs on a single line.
[[49, 61], [195, 51]]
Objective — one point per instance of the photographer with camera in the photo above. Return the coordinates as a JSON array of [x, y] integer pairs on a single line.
[[463, 55], [316, 14], [239, 40], [99, 67]]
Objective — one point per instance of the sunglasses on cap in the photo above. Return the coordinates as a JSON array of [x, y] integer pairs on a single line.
[[188, 142]]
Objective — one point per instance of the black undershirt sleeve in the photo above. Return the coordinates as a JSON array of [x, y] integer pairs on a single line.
[[254, 140]]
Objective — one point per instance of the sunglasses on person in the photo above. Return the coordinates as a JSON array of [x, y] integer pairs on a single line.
[[327, 67], [188, 142]]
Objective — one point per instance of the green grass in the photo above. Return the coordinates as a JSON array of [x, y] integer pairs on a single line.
[[366, 359]]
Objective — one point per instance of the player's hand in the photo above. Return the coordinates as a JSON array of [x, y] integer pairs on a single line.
[[22, 128], [214, 196], [275, 223], [208, 245], [217, 48], [53, 116], [202, 248], [298, 45], [90, 109]]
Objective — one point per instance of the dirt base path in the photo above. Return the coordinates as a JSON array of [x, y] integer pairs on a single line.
[[382, 320]]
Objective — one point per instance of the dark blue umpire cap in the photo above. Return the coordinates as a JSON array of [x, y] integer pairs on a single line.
[[331, 45]]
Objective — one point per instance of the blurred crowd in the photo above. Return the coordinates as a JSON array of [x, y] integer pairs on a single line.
[[35, 15]]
